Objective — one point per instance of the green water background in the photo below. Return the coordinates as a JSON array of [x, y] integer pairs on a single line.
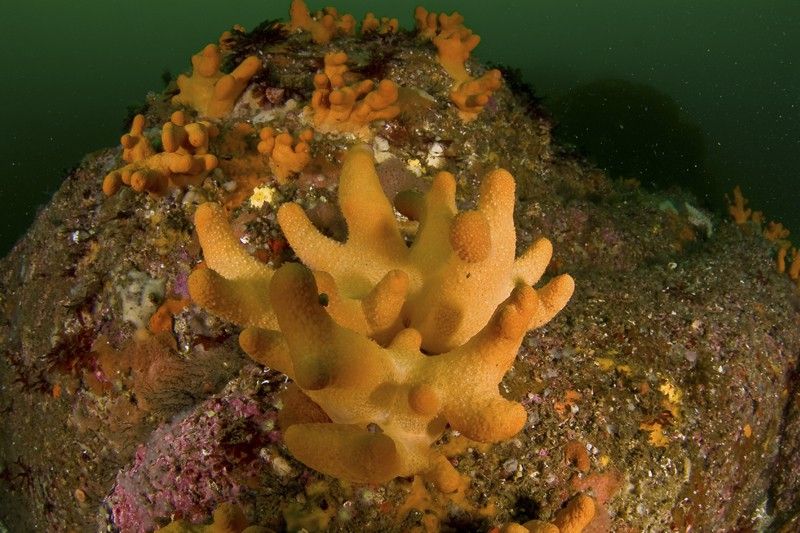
[[703, 93]]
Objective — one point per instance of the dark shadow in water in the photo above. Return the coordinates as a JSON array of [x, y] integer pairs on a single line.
[[633, 130]]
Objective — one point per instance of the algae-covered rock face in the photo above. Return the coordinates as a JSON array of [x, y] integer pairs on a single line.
[[326, 283]]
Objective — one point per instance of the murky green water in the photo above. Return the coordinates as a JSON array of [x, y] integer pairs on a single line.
[[702, 94]]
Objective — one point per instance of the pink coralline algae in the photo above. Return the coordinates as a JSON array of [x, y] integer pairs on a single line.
[[193, 464]]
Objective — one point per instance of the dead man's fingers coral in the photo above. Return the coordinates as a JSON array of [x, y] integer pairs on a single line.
[[323, 26], [345, 451], [228, 89], [454, 256], [374, 244], [340, 105], [208, 90], [184, 162], [135, 145], [466, 298], [235, 286], [471, 96], [178, 135], [408, 395], [287, 155]]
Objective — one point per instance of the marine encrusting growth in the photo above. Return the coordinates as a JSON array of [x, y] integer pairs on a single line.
[[413, 337]]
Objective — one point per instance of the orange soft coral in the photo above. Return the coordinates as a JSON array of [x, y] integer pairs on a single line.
[[236, 285], [407, 394], [382, 26], [135, 145], [323, 26], [208, 90], [336, 106], [737, 208], [470, 97], [184, 162], [454, 255], [454, 43], [180, 136], [228, 37], [161, 172], [228, 518], [458, 292], [287, 156], [573, 518], [430, 24]]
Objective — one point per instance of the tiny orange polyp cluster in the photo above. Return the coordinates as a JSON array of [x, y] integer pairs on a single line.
[[407, 340]]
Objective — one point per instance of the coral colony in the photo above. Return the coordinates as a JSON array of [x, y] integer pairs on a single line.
[[374, 333], [304, 301]]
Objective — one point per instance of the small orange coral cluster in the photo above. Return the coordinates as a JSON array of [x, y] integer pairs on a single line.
[[326, 24], [180, 136], [323, 26], [787, 259], [573, 518], [226, 40], [287, 156], [228, 518], [337, 106], [361, 352], [185, 159], [135, 146], [453, 40], [738, 210], [208, 90], [382, 26], [454, 43]]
